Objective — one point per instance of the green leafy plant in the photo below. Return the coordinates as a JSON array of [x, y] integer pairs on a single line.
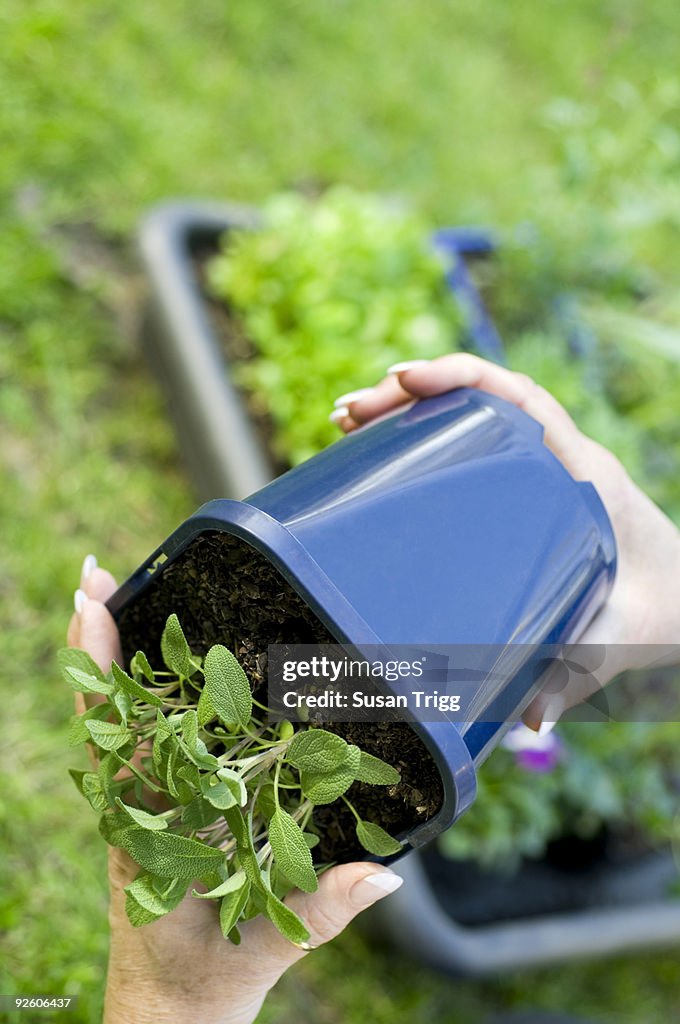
[[195, 782], [620, 774], [329, 293]]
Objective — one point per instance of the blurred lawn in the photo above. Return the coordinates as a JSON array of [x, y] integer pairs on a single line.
[[564, 114]]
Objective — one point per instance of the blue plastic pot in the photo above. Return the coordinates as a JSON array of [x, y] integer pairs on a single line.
[[448, 522]]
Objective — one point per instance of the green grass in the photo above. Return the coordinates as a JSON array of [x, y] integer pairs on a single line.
[[565, 115]]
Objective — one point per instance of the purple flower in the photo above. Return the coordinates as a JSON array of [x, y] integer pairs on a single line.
[[533, 752]]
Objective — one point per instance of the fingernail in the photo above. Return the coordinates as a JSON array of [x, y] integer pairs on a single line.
[[79, 599], [352, 396], [408, 365], [374, 887], [89, 565], [339, 414], [545, 728]]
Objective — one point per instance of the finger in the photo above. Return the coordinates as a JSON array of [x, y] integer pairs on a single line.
[[347, 424], [89, 564], [73, 631], [99, 635], [99, 585], [343, 892], [383, 398], [343, 420], [94, 583], [462, 369], [92, 627], [73, 640]]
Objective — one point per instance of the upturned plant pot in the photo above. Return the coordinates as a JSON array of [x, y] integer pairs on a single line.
[[448, 522]]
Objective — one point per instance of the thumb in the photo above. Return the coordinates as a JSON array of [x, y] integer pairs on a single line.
[[343, 892]]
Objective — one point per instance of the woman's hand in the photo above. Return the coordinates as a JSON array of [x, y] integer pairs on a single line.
[[644, 605], [180, 968]]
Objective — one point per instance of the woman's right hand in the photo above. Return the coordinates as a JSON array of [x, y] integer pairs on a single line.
[[644, 605]]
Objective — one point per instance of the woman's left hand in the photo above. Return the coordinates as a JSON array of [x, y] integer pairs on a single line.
[[181, 969]]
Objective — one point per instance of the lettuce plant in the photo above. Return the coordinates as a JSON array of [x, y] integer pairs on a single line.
[[618, 774], [195, 782], [330, 293]]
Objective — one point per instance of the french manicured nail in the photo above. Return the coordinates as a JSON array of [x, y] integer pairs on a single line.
[[79, 599], [352, 396], [545, 728], [408, 365], [373, 888], [89, 565], [339, 414]]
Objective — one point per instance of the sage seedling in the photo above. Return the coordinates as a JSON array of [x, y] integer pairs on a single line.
[[198, 784]]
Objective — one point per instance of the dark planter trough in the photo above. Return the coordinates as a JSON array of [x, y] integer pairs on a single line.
[[345, 516]]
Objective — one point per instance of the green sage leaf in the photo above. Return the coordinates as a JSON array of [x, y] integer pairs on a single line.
[[123, 704], [170, 769], [112, 827], [241, 830], [197, 749], [316, 750], [77, 730], [74, 657], [235, 783], [175, 649], [217, 792], [286, 920], [77, 775], [291, 851], [109, 766], [237, 881], [325, 787], [90, 786], [143, 903], [163, 732], [376, 840], [139, 666], [163, 728], [266, 804], [132, 688], [108, 735], [137, 915], [85, 682], [169, 855], [226, 692], [378, 773], [231, 908], [190, 773], [154, 822], [199, 813]]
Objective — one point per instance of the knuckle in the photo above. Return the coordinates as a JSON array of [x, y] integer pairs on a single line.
[[530, 390], [323, 921], [608, 462]]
